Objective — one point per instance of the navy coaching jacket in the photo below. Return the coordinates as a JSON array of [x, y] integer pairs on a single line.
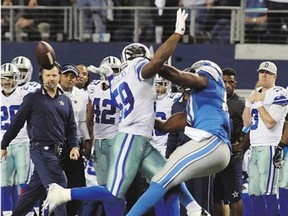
[[49, 120]]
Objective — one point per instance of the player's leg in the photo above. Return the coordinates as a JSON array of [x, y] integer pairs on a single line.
[[269, 177], [22, 164], [257, 201], [101, 164], [7, 176], [236, 204], [188, 161], [233, 188], [31, 195], [152, 163], [125, 155], [74, 171], [283, 186], [219, 194]]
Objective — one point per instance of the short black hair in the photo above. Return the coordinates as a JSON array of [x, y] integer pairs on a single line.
[[58, 66], [229, 71]]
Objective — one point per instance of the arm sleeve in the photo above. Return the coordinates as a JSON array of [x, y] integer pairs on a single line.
[[240, 106], [82, 126], [173, 137], [71, 128], [172, 143], [18, 122], [277, 112]]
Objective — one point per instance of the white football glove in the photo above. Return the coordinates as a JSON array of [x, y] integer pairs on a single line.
[[93, 69], [180, 21], [102, 70]]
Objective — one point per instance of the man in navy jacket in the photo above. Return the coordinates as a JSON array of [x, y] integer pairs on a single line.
[[50, 124]]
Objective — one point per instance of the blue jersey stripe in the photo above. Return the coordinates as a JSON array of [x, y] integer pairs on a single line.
[[280, 100], [271, 173], [124, 162], [117, 162], [138, 67]]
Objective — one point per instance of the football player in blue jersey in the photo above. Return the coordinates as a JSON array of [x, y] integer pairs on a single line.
[[206, 123]]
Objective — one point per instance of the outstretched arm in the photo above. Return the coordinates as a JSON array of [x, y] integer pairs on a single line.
[[182, 78], [175, 123], [167, 48]]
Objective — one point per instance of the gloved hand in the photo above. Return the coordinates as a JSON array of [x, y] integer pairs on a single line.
[[237, 156], [180, 21], [277, 158], [102, 70], [86, 151]]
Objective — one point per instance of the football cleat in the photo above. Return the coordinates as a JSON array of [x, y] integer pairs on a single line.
[[56, 196]]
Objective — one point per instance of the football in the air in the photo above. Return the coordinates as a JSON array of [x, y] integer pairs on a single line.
[[45, 55]]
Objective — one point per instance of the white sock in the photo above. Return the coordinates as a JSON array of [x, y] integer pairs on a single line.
[[66, 194], [192, 207]]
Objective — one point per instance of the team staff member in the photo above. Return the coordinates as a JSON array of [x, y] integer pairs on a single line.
[[227, 183], [50, 121], [74, 169]]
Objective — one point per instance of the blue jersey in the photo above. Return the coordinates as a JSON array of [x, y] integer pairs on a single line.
[[207, 109]]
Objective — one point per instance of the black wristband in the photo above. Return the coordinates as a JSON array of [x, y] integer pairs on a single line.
[[281, 145]]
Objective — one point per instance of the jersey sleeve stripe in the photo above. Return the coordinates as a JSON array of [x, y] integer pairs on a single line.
[[280, 100], [139, 66]]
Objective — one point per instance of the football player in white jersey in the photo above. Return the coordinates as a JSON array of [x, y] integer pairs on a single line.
[[15, 169], [265, 111], [102, 121], [74, 169], [164, 101], [25, 67], [134, 93]]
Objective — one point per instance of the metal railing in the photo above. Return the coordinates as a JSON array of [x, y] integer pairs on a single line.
[[136, 24]]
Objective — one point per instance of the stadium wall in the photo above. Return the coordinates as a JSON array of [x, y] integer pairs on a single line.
[[185, 55]]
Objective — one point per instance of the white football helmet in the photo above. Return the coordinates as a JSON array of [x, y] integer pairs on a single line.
[[163, 87], [9, 77], [113, 62], [25, 67], [135, 50]]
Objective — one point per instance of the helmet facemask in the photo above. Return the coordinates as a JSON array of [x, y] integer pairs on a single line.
[[113, 62], [135, 50], [162, 86], [25, 67], [9, 77]]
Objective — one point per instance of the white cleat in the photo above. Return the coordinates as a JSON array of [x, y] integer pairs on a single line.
[[56, 196], [201, 212]]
